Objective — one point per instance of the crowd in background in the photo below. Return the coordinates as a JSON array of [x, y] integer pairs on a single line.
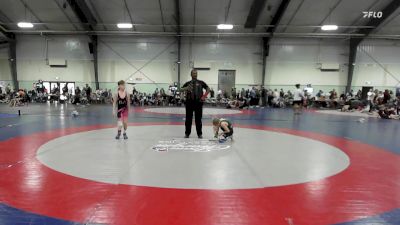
[[385, 103], [160, 97], [40, 94]]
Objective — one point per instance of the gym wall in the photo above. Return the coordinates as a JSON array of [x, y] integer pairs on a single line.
[[32, 52], [293, 61], [5, 72], [150, 62], [242, 55], [377, 61], [290, 61]]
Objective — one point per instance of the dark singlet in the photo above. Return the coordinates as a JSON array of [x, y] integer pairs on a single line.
[[122, 103], [229, 124]]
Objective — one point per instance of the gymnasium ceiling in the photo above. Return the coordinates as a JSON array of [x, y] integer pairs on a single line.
[[198, 17]]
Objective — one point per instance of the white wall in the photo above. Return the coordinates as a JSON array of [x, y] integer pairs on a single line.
[[32, 52], [138, 60], [5, 73], [158, 57], [376, 62], [294, 61], [144, 60], [153, 60], [242, 55]]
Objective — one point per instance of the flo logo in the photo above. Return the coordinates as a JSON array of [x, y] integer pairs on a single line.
[[372, 14]]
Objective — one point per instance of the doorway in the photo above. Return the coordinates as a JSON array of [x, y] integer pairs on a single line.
[[364, 92], [226, 81]]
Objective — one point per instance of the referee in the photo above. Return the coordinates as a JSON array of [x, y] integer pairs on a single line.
[[194, 103]]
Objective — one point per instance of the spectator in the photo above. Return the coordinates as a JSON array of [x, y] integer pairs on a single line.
[[282, 93], [298, 97], [233, 93], [386, 96], [263, 96], [65, 90], [225, 94], [275, 97], [8, 89], [397, 103], [319, 94], [219, 94], [333, 95], [386, 113], [253, 96], [370, 98], [88, 91], [243, 93], [212, 93], [358, 95], [77, 95], [134, 92]]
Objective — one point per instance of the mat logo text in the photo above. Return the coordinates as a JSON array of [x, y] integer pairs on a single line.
[[372, 14]]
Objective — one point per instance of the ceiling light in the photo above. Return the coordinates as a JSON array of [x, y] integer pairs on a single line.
[[329, 27], [225, 27], [124, 25], [25, 25]]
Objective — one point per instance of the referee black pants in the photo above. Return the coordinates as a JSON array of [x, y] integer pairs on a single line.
[[197, 108]]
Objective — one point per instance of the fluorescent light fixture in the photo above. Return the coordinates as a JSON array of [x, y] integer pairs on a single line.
[[25, 25], [124, 25], [225, 27], [329, 27]]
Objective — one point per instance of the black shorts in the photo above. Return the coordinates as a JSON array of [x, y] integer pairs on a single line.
[[300, 102], [228, 134]]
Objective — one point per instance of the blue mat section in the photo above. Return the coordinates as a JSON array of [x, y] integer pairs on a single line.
[[13, 216], [6, 115], [388, 218]]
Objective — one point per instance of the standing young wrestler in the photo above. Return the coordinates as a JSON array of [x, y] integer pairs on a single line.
[[226, 127], [121, 106]]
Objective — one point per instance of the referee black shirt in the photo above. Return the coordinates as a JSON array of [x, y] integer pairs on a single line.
[[194, 90]]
